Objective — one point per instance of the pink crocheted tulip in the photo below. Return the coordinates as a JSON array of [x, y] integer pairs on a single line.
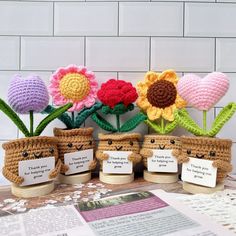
[[203, 93]]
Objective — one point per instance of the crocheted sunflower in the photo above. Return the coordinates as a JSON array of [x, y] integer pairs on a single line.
[[158, 98], [158, 95]]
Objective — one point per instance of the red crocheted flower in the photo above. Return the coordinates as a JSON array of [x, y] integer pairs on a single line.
[[115, 91]]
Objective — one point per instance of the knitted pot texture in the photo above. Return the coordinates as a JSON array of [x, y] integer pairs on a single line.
[[214, 149], [28, 149], [72, 141], [119, 142], [162, 142]]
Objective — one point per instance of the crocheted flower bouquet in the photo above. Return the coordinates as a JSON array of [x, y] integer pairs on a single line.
[[118, 151], [203, 94], [28, 96], [78, 86], [158, 98]]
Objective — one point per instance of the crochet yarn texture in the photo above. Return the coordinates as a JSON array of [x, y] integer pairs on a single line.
[[119, 142], [28, 149], [72, 141], [214, 149], [162, 142], [28, 94], [203, 93]]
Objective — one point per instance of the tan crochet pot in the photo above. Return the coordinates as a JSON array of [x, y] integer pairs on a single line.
[[214, 149], [118, 142], [28, 149], [162, 142], [72, 141]]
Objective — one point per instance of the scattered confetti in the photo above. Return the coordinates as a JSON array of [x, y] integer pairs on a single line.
[[50, 201], [9, 200], [21, 210]]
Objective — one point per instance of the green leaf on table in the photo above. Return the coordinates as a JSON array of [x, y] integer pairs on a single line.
[[52, 116], [225, 114], [133, 122], [102, 123], [14, 117]]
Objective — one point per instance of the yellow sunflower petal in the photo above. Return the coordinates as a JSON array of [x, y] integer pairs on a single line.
[[180, 102], [168, 113], [170, 76], [151, 77], [154, 113], [142, 88], [143, 103]]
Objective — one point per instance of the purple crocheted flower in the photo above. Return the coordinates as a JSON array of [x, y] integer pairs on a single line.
[[28, 94]]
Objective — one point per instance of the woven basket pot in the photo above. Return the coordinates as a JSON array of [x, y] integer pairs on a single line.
[[119, 142], [162, 142], [72, 141], [213, 149], [28, 149]]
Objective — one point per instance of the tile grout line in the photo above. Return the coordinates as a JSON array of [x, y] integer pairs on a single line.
[[215, 55], [118, 18], [20, 53], [53, 19], [183, 18], [85, 61]]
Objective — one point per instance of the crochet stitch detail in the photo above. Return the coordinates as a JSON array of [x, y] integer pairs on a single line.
[[162, 94]]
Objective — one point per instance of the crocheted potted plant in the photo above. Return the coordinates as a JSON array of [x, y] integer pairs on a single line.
[[118, 151], [206, 158], [34, 159], [158, 98], [76, 145]]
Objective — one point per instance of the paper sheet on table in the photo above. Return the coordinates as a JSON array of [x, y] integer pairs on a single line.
[[142, 213]]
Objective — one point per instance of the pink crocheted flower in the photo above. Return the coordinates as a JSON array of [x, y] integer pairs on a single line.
[[28, 94], [203, 93], [73, 84]]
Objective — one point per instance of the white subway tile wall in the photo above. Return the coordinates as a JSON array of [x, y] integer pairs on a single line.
[[118, 39]]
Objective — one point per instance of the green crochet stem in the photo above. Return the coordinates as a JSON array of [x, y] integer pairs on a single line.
[[205, 121], [75, 122], [64, 117], [118, 122], [162, 128], [14, 118], [119, 109], [52, 116], [126, 127], [133, 122], [102, 123], [31, 123], [73, 118], [85, 113], [189, 124]]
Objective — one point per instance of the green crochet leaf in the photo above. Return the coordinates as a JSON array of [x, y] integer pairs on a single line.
[[64, 117], [53, 115], [133, 122], [14, 117], [101, 122], [184, 120], [225, 114], [170, 126], [85, 113], [119, 109], [154, 126]]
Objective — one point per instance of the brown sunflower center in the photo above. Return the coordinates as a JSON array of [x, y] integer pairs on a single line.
[[162, 94]]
